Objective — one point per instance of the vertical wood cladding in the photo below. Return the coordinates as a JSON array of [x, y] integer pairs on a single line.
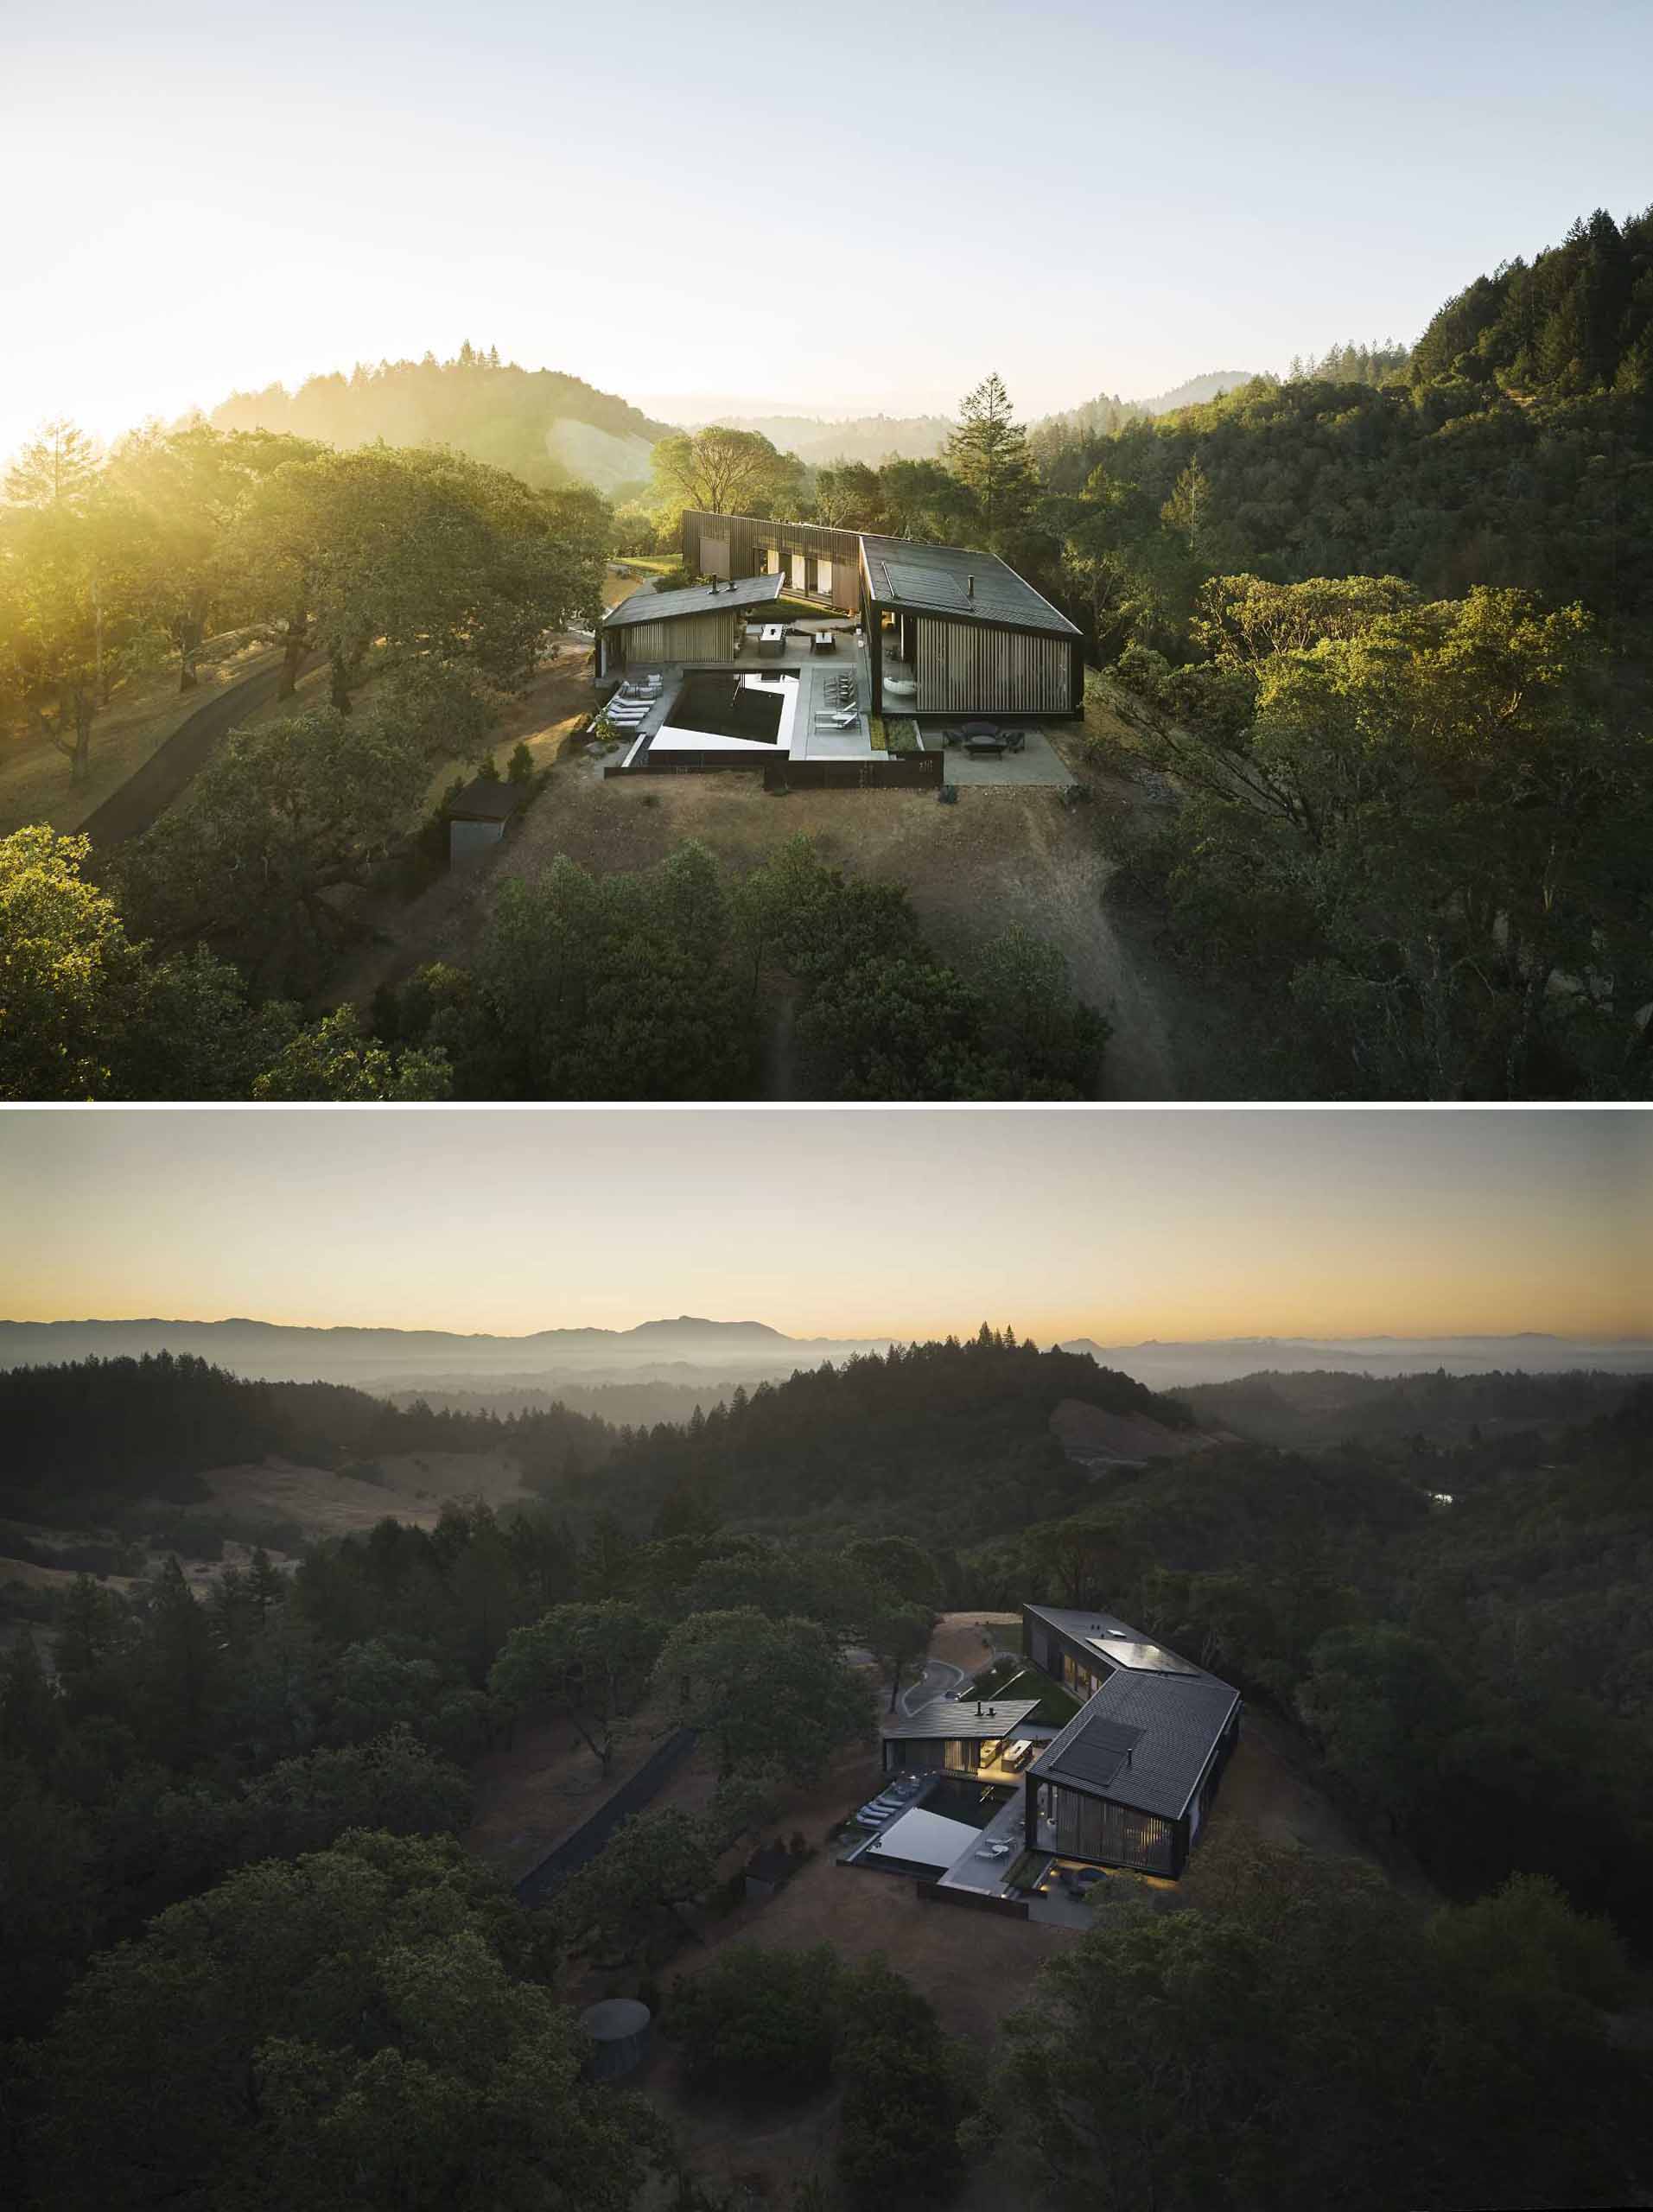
[[739, 545], [691, 636], [969, 668]]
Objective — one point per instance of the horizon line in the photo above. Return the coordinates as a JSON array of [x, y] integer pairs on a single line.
[[871, 1337]]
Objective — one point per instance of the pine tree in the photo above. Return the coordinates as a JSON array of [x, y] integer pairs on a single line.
[[56, 468], [988, 453], [31, 1718]]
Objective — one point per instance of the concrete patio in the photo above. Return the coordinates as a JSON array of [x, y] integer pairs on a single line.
[[1039, 762], [796, 656]]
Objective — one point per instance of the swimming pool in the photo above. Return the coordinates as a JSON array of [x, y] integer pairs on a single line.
[[956, 1799], [726, 705]]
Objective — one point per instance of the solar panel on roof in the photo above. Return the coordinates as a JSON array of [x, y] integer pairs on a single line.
[[1099, 1750]]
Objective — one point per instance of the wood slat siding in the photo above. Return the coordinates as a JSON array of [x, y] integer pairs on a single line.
[[746, 536], [968, 668], [691, 636]]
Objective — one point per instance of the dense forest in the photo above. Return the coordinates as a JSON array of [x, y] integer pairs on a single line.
[[220, 1781], [80, 1437]]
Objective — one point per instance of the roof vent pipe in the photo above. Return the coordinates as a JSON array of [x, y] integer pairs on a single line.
[[969, 587]]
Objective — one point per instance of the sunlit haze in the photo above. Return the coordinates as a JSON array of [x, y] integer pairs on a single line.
[[863, 209], [1121, 1227]]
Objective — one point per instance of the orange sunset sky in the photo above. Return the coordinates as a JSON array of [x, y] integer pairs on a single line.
[[1119, 1226]]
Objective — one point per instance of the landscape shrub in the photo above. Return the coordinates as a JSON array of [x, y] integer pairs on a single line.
[[760, 2024], [904, 2096]]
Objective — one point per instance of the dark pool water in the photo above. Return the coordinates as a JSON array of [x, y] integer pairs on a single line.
[[721, 707], [956, 1799]]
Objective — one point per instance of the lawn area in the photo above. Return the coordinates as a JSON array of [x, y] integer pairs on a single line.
[[34, 782], [798, 610], [1008, 1678]]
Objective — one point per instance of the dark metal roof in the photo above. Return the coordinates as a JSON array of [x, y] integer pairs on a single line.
[[1174, 1721], [486, 800], [936, 579], [1099, 1748], [945, 1717], [1146, 1736], [693, 599], [1082, 1626]]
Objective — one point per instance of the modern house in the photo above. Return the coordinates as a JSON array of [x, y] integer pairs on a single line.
[[952, 631], [702, 627], [1126, 1783], [1131, 1779]]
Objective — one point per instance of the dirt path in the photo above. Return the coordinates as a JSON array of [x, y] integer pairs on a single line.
[[136, 805]]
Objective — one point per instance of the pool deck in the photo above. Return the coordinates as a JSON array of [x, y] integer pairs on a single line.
[[796, 657]]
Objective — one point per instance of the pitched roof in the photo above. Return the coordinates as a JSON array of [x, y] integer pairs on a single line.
[[693, 599], [955, 581], [1143, 1740], [485, 799], [946, 1717]]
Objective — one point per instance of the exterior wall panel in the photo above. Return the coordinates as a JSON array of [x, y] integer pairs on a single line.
[[971, 668], [691, 636], [1107, 1835], [760, 547]]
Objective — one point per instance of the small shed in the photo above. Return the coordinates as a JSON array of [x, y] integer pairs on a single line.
[[767, 1869], [476, 817], [619, 2029]]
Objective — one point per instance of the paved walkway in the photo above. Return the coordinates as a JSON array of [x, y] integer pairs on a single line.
[[139, 802], [939, 1679]]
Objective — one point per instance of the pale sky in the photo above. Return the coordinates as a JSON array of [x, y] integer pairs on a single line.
[[1120, 1225], [862, 207]]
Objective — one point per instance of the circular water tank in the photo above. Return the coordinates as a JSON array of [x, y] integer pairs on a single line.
[[618, 2029]]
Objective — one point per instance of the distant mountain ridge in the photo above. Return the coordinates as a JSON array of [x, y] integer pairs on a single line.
[[1169, 1366], [819, 441], [276, 1350], [1109, 410], [676, 1349]]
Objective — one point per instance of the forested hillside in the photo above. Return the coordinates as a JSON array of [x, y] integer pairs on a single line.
[[1507, 451], [77, 1438], [550, 430], [228, 1783], [943, 1442], [1433, 1412]]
